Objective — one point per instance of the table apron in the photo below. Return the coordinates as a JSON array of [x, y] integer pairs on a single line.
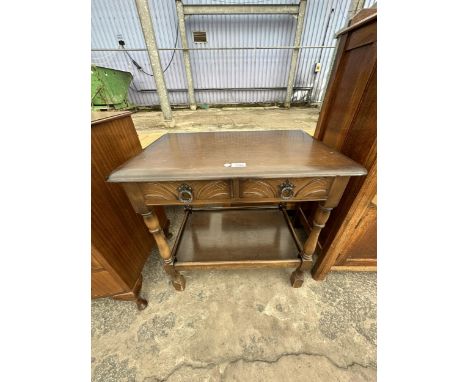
[[238, 191]]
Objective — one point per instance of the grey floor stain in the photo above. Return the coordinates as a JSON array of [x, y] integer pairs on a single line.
[[110, 369], [159, 326], [345, 307], [107, 315]]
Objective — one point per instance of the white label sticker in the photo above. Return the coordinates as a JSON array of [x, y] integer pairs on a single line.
[[241, 164]]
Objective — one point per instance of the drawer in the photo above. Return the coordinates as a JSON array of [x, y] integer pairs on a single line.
[[297, 189], [189, 192]]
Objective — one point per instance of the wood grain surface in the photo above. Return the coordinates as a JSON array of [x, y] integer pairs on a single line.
[[266, 154], [236, 239], [348, 123]]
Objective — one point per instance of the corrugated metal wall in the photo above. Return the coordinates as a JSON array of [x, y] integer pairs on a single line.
[[113, 20]]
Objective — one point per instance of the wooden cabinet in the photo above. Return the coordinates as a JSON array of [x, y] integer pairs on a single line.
[[120, 242], [348, 123]]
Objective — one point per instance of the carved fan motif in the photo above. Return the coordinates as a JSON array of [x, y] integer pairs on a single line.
[[213, 190], [259, 189], [202, 190], [165, 191], [312, 188], [304, 188]]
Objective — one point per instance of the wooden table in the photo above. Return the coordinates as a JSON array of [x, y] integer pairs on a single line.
[[234, 186]]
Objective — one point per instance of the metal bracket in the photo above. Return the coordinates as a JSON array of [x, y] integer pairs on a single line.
[[297, 11]]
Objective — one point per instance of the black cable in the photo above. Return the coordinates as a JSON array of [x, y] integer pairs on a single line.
[[133, 88], [138, 66], [175, 46]]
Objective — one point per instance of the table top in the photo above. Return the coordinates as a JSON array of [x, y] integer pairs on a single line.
[[235, 154]]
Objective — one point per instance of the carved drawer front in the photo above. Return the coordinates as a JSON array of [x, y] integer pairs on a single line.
[[285, 189], [189, 192]]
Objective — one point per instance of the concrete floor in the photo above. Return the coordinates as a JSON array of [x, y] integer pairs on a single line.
[[242, 325], [150, 124]]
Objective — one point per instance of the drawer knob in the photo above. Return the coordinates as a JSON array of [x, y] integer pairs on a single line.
[[286, 190], [185, 193]]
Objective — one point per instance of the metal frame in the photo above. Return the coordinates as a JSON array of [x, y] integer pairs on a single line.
[[295, 54], [218, 48], [152, 46], [189, 10], [188, 68], [318, 84], [240, 9]]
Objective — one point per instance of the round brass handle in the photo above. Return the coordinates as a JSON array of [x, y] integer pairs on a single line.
[[185, 193], [286, 190]]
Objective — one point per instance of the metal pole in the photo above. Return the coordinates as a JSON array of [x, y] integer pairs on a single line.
[[227, 89], [219, 48], [240, 9], [151, 45], [297, 41], [188, 68], [318, 75]]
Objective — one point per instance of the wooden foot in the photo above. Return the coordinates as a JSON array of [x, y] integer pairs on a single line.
[[178, 282], [133, 295], [141, 303], [297, 278]]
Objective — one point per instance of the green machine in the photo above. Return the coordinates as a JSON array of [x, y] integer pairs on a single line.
[[109, 88]]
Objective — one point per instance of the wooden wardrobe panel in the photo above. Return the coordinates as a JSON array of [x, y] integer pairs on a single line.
[[120, 240], [348, 123], [364, 244], [360, 144]]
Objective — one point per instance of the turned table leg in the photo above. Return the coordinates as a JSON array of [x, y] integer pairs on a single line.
[[154, 226], [320, 218], [163, 220], [152, 222]]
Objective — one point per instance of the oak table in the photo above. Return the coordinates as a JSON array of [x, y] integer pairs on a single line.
[[235, 186]]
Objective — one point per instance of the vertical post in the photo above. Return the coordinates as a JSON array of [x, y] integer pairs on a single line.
[[354, 7], [297, 42], [151, 45], [188, 68]]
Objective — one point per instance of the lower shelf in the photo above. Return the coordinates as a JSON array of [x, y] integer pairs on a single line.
[[236, 238]]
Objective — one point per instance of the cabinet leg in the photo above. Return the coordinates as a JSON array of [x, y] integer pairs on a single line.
[[152, 222], [320, 218], [134, 295]]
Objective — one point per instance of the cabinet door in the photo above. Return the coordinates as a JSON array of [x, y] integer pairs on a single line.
[[362, 246], [348, 123]]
